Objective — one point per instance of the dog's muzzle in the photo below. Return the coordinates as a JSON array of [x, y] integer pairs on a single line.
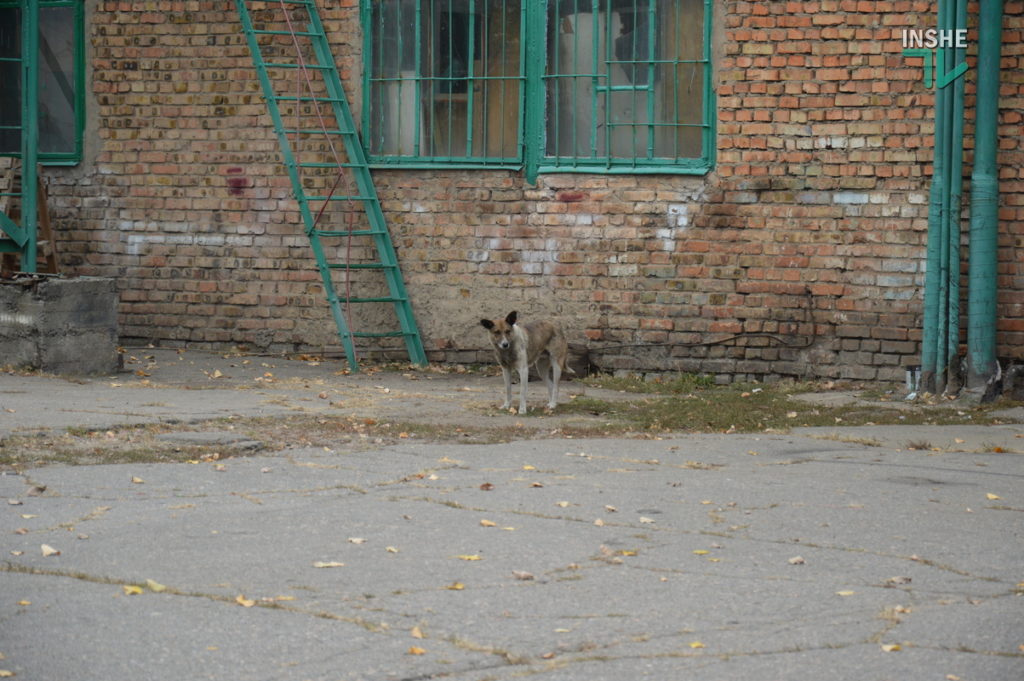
[[504, 345]]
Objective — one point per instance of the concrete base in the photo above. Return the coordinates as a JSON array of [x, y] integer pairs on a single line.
[[61, 326]]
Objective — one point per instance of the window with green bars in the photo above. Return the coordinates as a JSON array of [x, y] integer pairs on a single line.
[[61, 79], [563, 85]]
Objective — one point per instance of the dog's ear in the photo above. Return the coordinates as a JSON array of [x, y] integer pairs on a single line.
[[511, 318], [487, 323]]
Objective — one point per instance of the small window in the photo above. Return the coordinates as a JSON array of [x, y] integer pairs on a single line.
[[563, 85], [61, 79]]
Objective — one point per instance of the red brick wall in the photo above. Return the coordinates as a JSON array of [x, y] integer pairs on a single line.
[[801, 255]]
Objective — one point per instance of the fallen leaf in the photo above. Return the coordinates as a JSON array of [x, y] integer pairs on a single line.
[[23, 603], [17, 553], [522, 576], [468, 557], [6, 673], [391, 549], [28, 516], [599, 522], [131, 590], [895, 581], [245, 602], [528, 467], [14, 502], [563, 504], [701, 552], [456, 586], [416, 632], [646, 521], [487, 487], [49, 550], [488, 523], [992, 497], [155, 586], [356, 540], [137, 480], [611, 509], [696, 644], [416, 650], [548, 656], [790, 414], [536, 484], [797, 560], [891, 647], [327, 564], [845, 593]]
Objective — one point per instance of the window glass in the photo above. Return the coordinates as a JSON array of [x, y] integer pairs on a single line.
[[60, 68], [614, 84]]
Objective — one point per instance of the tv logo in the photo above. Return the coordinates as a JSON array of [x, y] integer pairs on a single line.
[[922, 42]]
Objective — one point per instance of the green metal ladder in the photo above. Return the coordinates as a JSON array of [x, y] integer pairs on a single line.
[[272, 22], [22, 238]]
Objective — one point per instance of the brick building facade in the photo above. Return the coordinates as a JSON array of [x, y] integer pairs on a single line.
[[801, 253]]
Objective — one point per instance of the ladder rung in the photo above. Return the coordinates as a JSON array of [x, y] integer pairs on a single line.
[[325, 165], [293, 98], [317, 131], [337, 197], [383, 334], [359, 266], [304, 34], [354, 232], [288, 65], [382, 299]]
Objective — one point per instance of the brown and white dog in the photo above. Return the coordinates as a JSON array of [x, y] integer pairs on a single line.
[[520, 346]]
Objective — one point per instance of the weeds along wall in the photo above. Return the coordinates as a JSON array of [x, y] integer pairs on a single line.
[[801, 254]]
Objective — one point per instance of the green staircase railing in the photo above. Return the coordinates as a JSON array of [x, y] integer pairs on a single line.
[[315, 95]]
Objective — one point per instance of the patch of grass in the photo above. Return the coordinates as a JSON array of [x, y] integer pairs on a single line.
[[737, 409], [684, 383]]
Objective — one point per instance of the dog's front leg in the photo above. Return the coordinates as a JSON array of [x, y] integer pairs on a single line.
[[524, 378], [507, 375]]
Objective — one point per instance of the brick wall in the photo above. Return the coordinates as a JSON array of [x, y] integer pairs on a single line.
[[801, 255]]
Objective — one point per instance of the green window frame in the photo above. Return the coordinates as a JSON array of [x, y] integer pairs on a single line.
[[612, 86], [61, 85]]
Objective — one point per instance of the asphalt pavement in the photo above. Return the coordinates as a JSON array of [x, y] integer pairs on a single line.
[[813, 554]]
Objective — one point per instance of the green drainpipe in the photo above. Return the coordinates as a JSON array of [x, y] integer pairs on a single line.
[[984, 230], [933, 362], [954, 187]]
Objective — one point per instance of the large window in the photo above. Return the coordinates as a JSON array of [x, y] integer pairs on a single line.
[[60, 61], [587, 85]]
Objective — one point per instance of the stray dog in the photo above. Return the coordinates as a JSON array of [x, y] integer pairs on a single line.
[[541, 344]]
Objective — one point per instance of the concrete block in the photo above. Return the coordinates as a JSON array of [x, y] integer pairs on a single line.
[[62, 326]]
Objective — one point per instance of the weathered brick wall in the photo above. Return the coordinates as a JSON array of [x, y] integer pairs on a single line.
[[801, 255]]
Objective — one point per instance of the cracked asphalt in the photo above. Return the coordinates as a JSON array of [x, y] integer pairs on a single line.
[[728, 557]]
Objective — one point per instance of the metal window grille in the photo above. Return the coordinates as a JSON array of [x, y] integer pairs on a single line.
[[61, 79], [445, 80], [626, 82], [564, 85]]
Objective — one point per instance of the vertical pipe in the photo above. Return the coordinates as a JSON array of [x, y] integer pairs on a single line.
[[932, 361], [984, 229], [29, 130], [954, 187]]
